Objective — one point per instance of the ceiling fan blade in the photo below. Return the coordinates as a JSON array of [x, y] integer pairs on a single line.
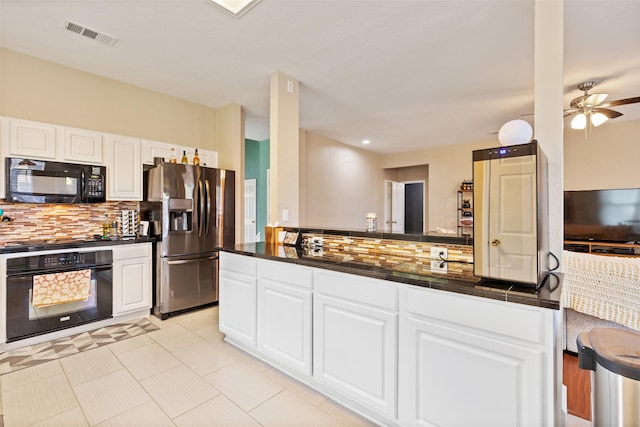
[[626, 101], [570, 111], [595, 98], [611, 114]]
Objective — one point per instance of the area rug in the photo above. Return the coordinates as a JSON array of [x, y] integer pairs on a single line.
[[36, 354]]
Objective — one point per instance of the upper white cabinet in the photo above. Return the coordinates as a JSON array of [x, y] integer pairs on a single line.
[[81, 146], [153, 149], [124, 169], [29, 139]]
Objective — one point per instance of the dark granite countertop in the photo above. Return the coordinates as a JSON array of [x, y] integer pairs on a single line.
[[55, 244], [548, 296], [427, 237]]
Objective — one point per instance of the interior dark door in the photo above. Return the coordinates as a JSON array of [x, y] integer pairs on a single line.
[[414, 208]]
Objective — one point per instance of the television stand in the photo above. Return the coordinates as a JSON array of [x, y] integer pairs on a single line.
[[603, 248]]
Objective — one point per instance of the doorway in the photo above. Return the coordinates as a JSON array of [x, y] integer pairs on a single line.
[[414, 207], [404, 207]]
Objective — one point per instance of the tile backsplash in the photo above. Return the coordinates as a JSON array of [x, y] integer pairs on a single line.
[[412, 257], [55, 221]]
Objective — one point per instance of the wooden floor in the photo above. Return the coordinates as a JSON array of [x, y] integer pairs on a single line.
[[578, 383]]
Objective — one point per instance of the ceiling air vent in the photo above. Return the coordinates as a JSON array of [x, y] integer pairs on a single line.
[[92, 34]]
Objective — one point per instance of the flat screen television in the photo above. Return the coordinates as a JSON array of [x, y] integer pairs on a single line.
[[602, 215]]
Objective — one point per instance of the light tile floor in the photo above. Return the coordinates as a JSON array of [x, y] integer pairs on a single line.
[[183, 374]]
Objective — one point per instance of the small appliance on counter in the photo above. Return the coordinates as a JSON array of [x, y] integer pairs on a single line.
[[129, 223]]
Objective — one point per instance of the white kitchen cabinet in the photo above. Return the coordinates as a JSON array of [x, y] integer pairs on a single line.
[[153, 149], [238, 298], [284, 314], [131, 278], [472, 361], [81, 146], [29, 139], [355, 323], [124, 169]]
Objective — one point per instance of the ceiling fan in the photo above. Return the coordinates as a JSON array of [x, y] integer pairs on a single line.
[[592, 109]]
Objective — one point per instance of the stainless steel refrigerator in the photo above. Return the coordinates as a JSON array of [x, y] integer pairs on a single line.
[[192, 212]]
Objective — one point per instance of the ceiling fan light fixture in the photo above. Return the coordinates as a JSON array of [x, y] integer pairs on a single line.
[[579, 121], [598, 118], [235, 7]]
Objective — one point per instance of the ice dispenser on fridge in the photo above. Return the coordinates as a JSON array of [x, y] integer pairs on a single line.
[[180, 214]]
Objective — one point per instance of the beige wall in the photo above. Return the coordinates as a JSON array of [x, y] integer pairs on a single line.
[[34, 89], [609, 158], [448, 167], [343, 183]]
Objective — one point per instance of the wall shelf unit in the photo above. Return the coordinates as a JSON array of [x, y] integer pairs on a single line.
[[465, 213]]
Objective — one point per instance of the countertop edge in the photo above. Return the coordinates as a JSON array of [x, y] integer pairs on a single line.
[[547, 297]]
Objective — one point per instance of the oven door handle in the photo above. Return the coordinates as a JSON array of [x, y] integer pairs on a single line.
[[30, 275], [83, 194], [192, 260]]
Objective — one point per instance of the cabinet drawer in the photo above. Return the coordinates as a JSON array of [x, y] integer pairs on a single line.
[[286, 273], [135, 250], [358, 289], [500, 317], [239, 263]]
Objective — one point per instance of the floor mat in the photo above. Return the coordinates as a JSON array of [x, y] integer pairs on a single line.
[[32, 355]]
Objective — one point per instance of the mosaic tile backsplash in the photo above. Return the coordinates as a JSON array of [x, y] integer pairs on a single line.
[[54, 221], [412, 257]]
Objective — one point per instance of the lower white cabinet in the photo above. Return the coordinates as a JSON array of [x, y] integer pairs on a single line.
[[238, 298], [401, 354], [284, 314], [355, 338], [131, 278], [470, 361]]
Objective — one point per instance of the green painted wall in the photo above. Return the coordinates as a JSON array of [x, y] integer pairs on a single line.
[[255, 167]]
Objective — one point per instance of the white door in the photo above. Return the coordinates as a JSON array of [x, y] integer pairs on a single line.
[[512, 219], [393, 206], [249, 210]]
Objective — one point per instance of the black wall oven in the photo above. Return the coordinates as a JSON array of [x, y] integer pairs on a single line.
[[46, 293]]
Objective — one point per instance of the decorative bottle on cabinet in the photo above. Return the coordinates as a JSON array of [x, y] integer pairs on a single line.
[[173, 155], [196, 159], [184, 159]]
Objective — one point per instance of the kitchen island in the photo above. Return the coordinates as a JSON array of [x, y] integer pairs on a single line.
[[400, 345]]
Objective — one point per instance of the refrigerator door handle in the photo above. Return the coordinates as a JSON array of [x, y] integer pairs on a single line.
[[201, 218], [190, 261], [208, 202]]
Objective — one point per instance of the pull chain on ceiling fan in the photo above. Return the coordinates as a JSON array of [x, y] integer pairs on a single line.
[[592, 109]]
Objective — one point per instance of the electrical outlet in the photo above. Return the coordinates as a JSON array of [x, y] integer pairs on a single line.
[[437, 251], [285, 215], [438, 266]]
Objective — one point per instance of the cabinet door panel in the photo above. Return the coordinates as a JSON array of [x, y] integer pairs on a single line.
[[460, 378], [132, 290], [355, 351], [284, 324], [124, 170], [238, 303], [32, 139], [82, 146]]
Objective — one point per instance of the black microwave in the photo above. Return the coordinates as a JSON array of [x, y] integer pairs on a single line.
[[42, 181]]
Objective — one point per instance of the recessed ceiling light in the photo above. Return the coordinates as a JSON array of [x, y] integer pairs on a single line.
[[366, 141], [236, 7]]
